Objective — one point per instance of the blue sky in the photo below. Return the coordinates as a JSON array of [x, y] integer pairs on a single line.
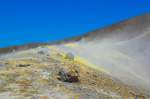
[[29, 21]]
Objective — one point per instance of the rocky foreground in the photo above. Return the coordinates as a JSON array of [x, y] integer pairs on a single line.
[[42, 73]]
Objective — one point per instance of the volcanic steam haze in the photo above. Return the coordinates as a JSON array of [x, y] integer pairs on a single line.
[[122, 49]]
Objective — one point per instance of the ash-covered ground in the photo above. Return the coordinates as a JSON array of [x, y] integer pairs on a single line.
[[47, 73]]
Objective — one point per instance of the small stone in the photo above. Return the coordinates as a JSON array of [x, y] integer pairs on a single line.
[[45, 74], [41, 52], [23, 65], [69, 56], [43, 97], [2, 82], [2, 65]]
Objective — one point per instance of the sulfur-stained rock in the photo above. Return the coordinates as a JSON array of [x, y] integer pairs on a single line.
[[43, 97], [69, 56]]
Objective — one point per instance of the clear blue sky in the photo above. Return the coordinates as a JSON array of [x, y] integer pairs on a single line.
[[28, 21]]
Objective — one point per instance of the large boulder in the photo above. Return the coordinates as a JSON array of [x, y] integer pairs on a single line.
[[67, 76]]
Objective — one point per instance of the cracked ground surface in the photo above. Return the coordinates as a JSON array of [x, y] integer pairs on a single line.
[[32, 74]]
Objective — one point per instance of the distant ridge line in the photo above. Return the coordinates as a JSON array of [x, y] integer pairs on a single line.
[[136, 21]]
